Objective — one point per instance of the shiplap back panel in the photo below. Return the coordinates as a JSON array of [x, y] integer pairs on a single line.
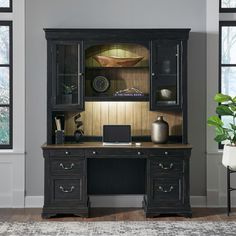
[[136, 114]]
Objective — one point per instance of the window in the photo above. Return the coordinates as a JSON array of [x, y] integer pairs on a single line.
[[5, 5], [227, 62], [5, 84], [227, 5]]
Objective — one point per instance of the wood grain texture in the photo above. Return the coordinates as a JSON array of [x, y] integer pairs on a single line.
[[116, 50], [112, 115], [96, 117], [144, 145], [120, 78], [136, 114], [88, 125]]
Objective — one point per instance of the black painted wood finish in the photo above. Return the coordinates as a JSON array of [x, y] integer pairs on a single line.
[[161, 175], [158, 42], [65, 183], [167, 183]]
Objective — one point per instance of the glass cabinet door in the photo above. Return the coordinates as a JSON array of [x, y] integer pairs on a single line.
[[165, 75], [67, 77]]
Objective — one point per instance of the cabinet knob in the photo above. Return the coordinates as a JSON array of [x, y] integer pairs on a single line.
[[153, 74], [139, 153], [166, 153], [94, 152], [66, 152]]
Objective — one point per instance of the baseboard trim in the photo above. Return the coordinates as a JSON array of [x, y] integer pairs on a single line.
[[117, 201], [34, 201], [198, 201]]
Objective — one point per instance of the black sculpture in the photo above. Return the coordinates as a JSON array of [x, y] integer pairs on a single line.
[[78, 132]]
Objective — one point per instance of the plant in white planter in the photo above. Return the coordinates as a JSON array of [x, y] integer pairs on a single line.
[[226, 107]]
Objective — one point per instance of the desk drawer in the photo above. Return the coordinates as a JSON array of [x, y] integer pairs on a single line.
[[68, 189], [66, 152], [114, 152], [160, 166], [167, 152], [167, 190], [68, 166]]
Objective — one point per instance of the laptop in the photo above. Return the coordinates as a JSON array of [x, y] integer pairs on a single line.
[[117, 135]]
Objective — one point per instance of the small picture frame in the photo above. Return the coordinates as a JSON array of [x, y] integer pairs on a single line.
[[227, 6]]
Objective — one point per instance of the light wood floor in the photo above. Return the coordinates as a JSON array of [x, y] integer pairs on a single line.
[[118, 214]]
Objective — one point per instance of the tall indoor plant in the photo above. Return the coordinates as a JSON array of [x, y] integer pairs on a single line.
[[225, 132]]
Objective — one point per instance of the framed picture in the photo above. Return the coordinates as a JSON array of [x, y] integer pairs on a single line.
[[5, 5]]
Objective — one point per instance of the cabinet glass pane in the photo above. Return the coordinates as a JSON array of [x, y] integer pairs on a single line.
[[166, 95], [228, 3], [167, 78], [167, 60], [4, 85], [4, 125], [4, 44], [228, 45], [67, 69], [228, 80], [4, 3]]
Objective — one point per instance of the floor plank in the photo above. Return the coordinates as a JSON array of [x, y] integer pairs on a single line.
[[116, 214]]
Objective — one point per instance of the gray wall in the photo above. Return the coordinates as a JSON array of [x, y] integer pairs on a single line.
[[114, 14]]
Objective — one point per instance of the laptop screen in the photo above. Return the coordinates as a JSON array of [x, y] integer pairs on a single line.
[[116, 133]]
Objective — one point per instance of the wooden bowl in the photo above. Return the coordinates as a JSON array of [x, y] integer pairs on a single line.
[[107, 61]]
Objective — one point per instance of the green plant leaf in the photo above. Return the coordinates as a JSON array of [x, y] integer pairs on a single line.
[[219, 130], [233, 126], [214, 121], [219, 97], [224, 110], [220, 138], [234, 99], [232, 107]]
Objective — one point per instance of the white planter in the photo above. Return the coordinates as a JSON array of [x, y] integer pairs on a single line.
[[229, 156]]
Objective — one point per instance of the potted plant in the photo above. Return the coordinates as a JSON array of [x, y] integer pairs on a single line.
[[67, 93], [225, 132]]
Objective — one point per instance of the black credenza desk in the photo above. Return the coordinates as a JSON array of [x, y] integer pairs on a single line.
[[75, 171]]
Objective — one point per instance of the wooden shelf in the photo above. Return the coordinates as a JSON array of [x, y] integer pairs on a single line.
[[115, 67], [117, 98]]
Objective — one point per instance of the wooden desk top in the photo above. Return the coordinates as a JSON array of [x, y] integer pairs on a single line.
[[100, 145]]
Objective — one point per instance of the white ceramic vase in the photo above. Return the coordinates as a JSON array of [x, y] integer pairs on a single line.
[[229, 156]]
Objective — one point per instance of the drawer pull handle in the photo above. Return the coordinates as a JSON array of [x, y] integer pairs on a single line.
[[164, 190], [67, 168], [166, 168], [67, 190]]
